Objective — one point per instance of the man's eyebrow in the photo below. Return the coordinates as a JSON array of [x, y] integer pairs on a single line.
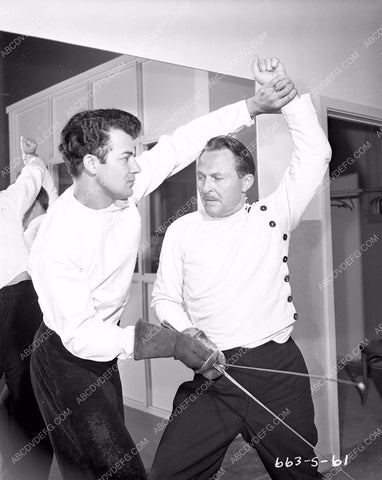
[[216, 172], [128, 152]]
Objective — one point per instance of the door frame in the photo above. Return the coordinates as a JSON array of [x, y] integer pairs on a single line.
[[328, 107]]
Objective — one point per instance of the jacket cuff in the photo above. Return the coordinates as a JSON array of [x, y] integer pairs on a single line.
[[244, 113]]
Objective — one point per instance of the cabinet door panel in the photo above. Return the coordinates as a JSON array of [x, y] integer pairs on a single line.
[[117, 90], [32, 122], [172, 97]]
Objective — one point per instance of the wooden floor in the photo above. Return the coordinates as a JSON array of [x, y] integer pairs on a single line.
[[357, 424]]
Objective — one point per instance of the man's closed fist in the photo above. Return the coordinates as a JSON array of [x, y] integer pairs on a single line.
[[265, 69], [28, 148]]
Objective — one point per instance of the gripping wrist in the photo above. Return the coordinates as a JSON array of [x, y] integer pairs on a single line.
[[217, 357], [253, 107]]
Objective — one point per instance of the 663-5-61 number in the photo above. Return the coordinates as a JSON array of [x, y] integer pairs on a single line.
[[313, 461]]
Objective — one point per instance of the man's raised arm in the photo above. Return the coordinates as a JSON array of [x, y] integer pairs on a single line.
[[311, 153], [21, 194], [309, 163]]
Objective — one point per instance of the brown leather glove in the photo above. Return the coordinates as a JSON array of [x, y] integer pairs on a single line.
[[154, 341], [208, 370]]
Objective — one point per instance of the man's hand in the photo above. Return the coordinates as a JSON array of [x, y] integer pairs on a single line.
[[199, 355], [154, 341], [28, 149], [265, 69], [277, 89], [272, 96], [208, 370]]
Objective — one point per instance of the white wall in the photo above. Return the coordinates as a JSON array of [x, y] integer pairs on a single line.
[[312, 37]]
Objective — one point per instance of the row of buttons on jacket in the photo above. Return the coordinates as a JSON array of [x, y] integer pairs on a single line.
[[285, 258]]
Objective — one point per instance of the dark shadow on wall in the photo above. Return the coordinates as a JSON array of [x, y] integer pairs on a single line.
[[30, 64]]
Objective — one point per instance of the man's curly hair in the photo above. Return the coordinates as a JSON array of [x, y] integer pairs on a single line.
[[87, 132]]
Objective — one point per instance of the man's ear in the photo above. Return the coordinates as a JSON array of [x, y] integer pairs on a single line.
[[91, 164], [247, 182]]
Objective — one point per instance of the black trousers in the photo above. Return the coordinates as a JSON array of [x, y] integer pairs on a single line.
[[81, 402], [26, 455], [208, 415]]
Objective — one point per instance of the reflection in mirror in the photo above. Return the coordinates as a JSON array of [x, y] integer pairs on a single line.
[[59, 80]]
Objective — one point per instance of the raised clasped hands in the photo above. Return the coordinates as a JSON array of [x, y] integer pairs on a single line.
[[277, 89]]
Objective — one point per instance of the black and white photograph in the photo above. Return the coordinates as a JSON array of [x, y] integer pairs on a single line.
[[190, 240]]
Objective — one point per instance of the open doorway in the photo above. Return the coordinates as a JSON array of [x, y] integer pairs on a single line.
[[356, 221]]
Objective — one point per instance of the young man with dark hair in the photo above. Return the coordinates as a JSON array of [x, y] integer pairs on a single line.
[[20, 317], [82, 265], [223, 270], [88, 132]]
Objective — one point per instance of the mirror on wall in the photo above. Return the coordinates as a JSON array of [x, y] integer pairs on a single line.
[[58, 80]]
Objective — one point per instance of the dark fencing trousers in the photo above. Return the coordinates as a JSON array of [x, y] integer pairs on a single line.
[[81, 402], [26, 453], [208, 415]]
